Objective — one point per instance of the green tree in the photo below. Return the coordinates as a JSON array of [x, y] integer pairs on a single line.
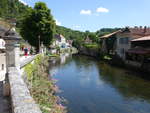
[[12, 9], [38, 23]]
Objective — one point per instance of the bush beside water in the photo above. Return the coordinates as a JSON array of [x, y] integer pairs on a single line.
[[42, 87]]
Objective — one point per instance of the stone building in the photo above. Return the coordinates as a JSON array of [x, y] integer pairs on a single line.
[[119, 42]]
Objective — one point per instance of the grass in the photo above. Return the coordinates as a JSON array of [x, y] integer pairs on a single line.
[[52, 55], [106, 57], [42, 87]]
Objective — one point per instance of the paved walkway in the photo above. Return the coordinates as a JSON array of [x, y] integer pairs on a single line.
[[25, 60]]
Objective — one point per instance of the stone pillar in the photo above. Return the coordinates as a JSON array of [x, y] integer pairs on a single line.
[[12, 55], [12, 60], [17, 56]]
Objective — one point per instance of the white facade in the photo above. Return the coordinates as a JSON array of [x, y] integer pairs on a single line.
[[2, 66], [2, 44], [61, 42]]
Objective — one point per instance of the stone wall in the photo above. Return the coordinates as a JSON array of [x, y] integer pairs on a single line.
[[22, 102], [89, 52]]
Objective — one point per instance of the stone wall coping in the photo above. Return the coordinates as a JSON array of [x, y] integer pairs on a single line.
[[27, 61], [22, 102]]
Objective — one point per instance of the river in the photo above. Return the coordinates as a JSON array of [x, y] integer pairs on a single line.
[[91, 86]]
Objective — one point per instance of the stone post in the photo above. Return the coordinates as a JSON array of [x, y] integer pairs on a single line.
[[17, 56], [12, 60]]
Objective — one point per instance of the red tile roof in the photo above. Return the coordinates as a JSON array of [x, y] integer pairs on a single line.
[[140, 31], [111, 34], [145, 38]]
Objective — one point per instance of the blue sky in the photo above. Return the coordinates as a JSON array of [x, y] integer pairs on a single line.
[[95, 14]]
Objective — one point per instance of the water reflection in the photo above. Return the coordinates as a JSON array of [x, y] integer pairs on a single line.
[[94, 87], [55, 63], [130, 86]]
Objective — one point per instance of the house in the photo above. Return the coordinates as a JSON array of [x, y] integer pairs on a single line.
[[119, 42], [69, 43], [88, 40], [60, 41]]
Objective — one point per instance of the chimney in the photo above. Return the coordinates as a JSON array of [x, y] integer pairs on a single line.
[[141, 27], [145, 29], [136, 27]]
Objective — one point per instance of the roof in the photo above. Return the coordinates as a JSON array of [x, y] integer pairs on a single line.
[[139, 31], [9, 34], [88, 40], [59, 36], [111, 34], [145, 38]]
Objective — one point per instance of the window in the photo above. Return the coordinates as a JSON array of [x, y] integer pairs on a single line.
[[2, 66], [124, 40]]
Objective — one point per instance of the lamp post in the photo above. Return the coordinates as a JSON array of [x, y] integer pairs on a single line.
[[12, 23], [12, 52], [39, 42]]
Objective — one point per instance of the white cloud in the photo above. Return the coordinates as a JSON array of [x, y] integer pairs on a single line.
[[22, 1], [102, 10], [85, 12], [57, 22]]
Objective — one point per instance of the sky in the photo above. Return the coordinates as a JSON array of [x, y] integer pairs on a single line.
[[93, 15]]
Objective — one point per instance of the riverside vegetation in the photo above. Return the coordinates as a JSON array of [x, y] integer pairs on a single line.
[[42, 87]]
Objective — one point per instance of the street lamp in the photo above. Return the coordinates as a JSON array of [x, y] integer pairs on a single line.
[[39, 43]]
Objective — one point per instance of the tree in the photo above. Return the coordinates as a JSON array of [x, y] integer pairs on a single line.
[[12, 9], [38, 23]]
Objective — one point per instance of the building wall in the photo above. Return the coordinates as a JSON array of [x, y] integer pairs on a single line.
[[123, 43]]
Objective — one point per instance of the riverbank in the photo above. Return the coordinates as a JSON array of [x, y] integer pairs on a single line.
[[90, 50], [115, 61], [42, 86]]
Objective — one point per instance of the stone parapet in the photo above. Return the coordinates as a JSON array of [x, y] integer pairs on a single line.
[[22, 102]]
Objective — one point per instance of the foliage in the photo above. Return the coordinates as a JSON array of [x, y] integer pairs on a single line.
[[12, 9], [42, 86], [29, 69], [52, 55], [69, 34], [107, 57], [77, 36], [38, 23], [105, 31], [92, 46]]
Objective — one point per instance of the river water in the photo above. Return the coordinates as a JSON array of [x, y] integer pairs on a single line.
[[91, 86]]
